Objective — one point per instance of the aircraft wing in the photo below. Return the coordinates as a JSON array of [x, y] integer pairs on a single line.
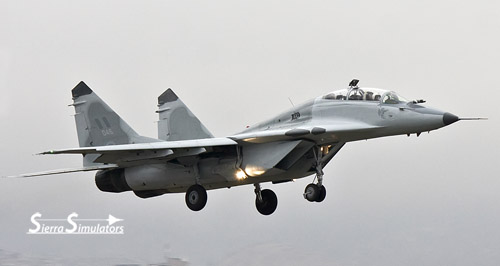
[[341, 131]]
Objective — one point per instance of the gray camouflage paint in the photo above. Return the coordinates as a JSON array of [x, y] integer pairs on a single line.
[[98, 125], [287, 155], [176, 121]]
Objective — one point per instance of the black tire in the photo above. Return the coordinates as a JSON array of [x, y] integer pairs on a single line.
[[196, 197], [268, 204], [322, 194], [311, 193]]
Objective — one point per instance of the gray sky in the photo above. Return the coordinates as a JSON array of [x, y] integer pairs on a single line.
[[236, 63]]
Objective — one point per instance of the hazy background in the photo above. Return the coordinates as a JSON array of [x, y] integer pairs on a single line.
[[235, 63]]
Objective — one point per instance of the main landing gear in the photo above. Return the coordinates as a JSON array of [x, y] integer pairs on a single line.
[[265, 200], [316, 192], [196, 197]]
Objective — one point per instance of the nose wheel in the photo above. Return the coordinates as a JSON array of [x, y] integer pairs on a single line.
[[316, 192], [265, 200]]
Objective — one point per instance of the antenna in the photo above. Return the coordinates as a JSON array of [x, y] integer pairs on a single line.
[[291, 102]]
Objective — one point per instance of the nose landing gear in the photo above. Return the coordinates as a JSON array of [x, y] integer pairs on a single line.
[[316, 192]]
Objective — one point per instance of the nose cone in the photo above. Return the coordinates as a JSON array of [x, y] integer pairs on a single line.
[[449, 118]]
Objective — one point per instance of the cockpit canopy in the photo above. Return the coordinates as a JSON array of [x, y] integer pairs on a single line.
[[366, 94]]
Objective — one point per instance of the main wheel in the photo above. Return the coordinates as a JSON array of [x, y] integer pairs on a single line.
[[322, 194], [312, 192], [196, 197], [268, 204]]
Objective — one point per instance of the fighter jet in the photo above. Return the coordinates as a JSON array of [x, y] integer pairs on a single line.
[[187, 158]]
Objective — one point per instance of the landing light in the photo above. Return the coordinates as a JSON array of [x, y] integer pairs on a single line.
[[325, 149], [254, 170], [240, 175]]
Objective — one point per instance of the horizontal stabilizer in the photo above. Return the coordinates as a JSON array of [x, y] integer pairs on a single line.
[[181, 144], [67, 170]]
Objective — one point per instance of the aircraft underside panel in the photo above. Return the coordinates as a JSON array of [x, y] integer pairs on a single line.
[[297, 153], [159, 176], [259, 158]]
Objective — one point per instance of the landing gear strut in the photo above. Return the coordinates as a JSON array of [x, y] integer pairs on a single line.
[[316, 192], [196, 197], [265, 200]]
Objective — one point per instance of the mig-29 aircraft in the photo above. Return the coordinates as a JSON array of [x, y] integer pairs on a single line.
[[186, 157]]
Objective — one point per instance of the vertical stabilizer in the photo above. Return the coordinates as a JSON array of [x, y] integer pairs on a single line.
[[97, 124], [177, 122]]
